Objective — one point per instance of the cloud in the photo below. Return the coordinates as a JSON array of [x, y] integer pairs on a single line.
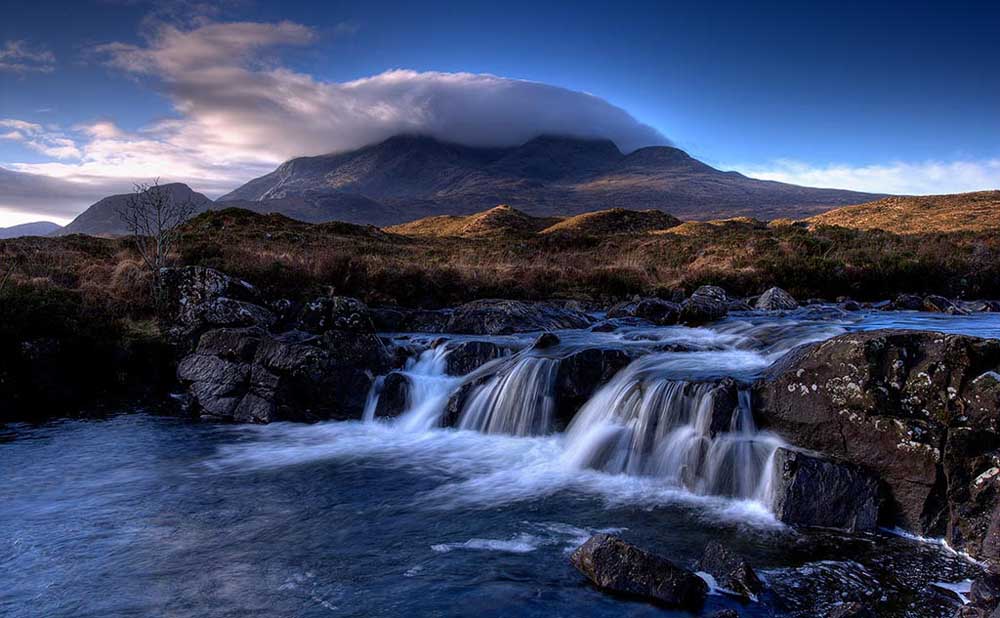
[[19, 57], [38, 138], [905, 178], [30, 197]]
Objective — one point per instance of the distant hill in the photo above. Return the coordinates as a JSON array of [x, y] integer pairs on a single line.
[[37, 228], [410, 177], [500, 220], [614, 221], [101, 219], [920, 214]]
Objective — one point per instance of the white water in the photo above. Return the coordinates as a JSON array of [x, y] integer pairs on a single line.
[[517, 401]]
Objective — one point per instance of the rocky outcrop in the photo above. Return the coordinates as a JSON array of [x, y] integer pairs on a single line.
[[730, 570], [339, 313], [620, 567], [197, 298], [809, 491], [655, 310], [503, 317], [580, 374], [983, 598], [708, 304], [921, 410], [467, 356], [776, 299], [393, 395]]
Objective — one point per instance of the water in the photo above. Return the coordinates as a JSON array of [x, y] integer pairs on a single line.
[[137, 515]]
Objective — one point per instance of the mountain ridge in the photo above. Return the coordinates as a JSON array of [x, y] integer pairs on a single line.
[[33, 228]]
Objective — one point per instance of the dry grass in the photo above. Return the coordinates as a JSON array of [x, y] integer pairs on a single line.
[[964, 212]]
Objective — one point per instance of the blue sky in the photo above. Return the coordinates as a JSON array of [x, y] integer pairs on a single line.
[[97, 94]]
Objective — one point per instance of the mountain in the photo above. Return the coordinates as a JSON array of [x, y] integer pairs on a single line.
[[101, 219], [962, 212], [36, 228], [409, 177]]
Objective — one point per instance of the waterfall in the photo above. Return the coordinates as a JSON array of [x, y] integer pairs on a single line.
[[518, 400], [643, 423]]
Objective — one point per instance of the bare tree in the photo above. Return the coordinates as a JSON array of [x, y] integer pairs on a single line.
[[152, 216], [6, 271]]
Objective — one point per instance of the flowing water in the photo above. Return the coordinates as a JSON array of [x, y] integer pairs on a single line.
[[137, 515]]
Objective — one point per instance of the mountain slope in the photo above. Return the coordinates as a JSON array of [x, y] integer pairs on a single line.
[[102, 219], [962, 212], [411, 177], [501, 221], [36, 228]]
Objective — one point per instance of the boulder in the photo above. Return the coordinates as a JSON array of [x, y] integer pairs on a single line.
[[619, 567], [467, 356], [503, 317], [708, 304], [545, 341], [940, 304], [907, 302], [809, 491], [196, 298], [725, 613], [580, 374], [655, 310], [776, 299], [919, 409], [393, 396], [849, 305], [730, 570], [335, 313]]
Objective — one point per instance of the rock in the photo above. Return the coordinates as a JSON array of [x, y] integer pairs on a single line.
[[580, 374], [335, 313], [545, 341], [619, 567], [393, 396], [503, 317], [725, 613], [940, 304], [604, 326], [809, 491], [197, 298], [907, 302], [849, 305], [776, 299], [467, 356], [250, 375], [708, 304], [655, 310], [985, 590], [730, 570], [850, 609], [921, 410]]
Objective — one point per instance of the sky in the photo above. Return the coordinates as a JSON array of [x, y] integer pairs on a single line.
[[96, 95]]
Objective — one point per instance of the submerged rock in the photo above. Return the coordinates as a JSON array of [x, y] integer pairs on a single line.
[[776, 299], [620, 567], [732, 571], [504, 317], [708, 304], [919, 409], [809, 491]]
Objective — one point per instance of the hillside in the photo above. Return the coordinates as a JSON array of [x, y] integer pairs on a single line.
[[962, 212], [614, 221], [102, 219], [410, 177], [501, 220], [36, 228]]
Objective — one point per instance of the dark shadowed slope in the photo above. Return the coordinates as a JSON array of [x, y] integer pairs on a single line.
[[36, 228], [102, 219], [412, 177], [962, 212]]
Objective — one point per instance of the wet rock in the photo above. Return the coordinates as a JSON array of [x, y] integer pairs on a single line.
[[393, 396], [725, 613], [619, 567], [249, 375], [809, 491], [776, 299], [849, 305], [940, 304], [655, 310], [730, 570], [335, 313], [503, 317], [545, 341], [921, 410], [850, 609], [604, 326], [985, 590], [467, 356], [580, 374], [708, 304], [907, 302]]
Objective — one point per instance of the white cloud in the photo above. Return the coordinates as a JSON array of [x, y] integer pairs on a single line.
[[19, 57], [40, 139], [907, 178]]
